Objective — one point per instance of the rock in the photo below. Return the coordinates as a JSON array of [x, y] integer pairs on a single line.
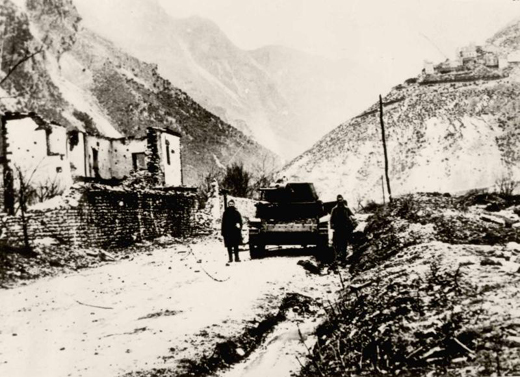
[[309, 266], [513, 341], [92, 252], [240, 352], [490, 262], [46, 241], [105, 256], [493, 207], [492, 219], [55, 263], [164, 240], [513, 246]]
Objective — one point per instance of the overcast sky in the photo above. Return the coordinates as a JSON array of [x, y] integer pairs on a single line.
[[393, 37], [397, 33]]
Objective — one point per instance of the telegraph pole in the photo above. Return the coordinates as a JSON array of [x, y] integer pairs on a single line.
[[384, 147]]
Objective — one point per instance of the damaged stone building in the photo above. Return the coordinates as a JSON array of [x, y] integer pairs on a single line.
[[48, 154]]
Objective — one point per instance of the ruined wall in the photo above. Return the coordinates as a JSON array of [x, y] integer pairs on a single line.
[[76, 154], [103, 217], [245, 206], [37, 152], [104, 157], [122, 150], [57, 140], [171, 159], [2, 188]]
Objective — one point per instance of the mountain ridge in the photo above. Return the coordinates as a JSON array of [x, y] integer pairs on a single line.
[[285, 106], [448, 136], [79, 72]]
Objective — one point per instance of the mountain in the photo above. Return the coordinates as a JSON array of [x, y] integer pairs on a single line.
[[446, 133], [284, 98], [80, 75], [320, 91]]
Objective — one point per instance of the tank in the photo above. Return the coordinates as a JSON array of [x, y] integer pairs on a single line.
[[288, 215]]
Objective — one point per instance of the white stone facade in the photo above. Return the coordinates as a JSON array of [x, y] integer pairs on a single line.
[[47, 152]]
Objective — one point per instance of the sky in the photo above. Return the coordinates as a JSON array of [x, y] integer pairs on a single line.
[[395, 34], [393, 37]]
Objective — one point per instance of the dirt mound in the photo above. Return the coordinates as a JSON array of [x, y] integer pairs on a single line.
[[435, 308], [18, 266], [419, 218], [433, 293]]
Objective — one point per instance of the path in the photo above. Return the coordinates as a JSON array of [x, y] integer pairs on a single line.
[[149, 312]]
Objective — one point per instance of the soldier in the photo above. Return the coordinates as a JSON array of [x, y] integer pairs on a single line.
[[343, 226], [232, 230]]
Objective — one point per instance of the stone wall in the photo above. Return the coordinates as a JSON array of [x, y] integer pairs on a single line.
[[245, 206], [107, 217]]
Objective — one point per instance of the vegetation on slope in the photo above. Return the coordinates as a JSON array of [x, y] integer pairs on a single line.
[[432, 292]]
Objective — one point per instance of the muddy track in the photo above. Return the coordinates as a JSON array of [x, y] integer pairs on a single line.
[[159, 314], [232, 351]]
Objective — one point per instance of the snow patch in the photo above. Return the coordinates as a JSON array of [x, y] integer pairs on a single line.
[[217, 161], [132, 76], [79, 97]]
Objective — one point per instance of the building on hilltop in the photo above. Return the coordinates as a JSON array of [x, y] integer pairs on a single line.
[[429, 67], [46, 153]]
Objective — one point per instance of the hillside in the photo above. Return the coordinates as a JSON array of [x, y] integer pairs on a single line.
[[432, 291], [285, 98], [449, 136], [79, 72]]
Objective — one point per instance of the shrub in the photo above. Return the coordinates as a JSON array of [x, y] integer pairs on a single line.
[[505, 186], [88, 122], [372, 206], [237, 181]]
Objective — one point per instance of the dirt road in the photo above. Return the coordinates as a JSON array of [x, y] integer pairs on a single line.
[[154, 311]]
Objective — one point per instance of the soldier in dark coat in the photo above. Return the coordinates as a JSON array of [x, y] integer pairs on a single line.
[[343, 226], [232, 230]]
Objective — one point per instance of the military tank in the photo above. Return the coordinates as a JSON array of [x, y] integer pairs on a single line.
[[291, 214]]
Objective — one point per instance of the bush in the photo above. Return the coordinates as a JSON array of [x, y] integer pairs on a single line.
[[505, 186], [88, 122], [372, 207], [237, 181]]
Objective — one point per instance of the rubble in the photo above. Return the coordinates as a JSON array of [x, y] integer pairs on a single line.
[[424, 299], [18, 267]]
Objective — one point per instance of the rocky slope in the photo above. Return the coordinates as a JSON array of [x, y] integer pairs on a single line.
[[432, 292], [448, 137], [284, 98], [81, 79]]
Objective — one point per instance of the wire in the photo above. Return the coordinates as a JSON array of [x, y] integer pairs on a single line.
[[203, 269]]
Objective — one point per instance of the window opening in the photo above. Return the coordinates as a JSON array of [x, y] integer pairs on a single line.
[[138, 161], [167, 151]]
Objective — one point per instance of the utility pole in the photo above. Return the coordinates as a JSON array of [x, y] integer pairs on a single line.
[[383, 187], [384, 147]]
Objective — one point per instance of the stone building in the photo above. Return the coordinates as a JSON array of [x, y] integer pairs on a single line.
[[46, 153]]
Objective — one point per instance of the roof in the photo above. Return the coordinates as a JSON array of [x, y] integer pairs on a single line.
[[167, 130]]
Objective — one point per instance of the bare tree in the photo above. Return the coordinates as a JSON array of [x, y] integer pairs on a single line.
[[24, 192], [264, 170], [506, 185], [28, 193]]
